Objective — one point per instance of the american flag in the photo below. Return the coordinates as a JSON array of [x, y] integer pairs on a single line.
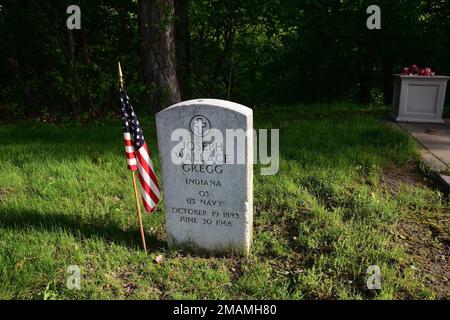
[[138, 157]]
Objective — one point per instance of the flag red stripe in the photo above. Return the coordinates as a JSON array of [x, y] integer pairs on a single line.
[[146, 167], [143, 164], [148, 190], [147, 207]]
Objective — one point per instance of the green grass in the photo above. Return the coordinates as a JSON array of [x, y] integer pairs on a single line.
[[66, 199]]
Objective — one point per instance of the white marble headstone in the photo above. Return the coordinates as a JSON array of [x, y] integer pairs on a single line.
[[209, 201]]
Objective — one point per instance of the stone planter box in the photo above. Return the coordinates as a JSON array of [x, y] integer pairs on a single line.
[[419, 99]]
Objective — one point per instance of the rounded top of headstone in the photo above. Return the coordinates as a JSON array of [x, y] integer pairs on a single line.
[[233, 106]]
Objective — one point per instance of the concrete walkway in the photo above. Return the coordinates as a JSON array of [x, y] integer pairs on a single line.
[[435, 139]]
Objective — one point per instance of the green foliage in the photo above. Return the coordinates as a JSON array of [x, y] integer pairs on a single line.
[[273, 51], [42, 77]]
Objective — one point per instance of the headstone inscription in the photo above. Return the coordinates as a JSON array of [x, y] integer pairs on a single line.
[[206, 154]]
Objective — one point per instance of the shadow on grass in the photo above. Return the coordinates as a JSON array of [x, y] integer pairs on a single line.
[[108, 232], [46, 142]]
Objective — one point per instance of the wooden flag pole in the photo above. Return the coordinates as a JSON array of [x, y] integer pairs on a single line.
[[138, 206], [136, 193]]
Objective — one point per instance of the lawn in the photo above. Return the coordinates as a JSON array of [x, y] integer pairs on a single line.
[[349, 194]]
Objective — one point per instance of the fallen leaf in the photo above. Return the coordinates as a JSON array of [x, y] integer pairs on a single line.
[[159, 259]]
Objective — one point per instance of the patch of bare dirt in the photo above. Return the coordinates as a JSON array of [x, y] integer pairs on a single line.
[[429, 248], [394, 176], [426, 239]]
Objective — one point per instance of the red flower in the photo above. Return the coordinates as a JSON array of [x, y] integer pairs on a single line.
[[414, 70]]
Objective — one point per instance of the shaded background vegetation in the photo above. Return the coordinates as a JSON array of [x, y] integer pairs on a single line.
[[256, 52]]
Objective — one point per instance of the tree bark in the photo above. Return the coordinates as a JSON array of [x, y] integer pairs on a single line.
[[73, 73], [388, 70], [182, 44], [228, 45], [364, 83], [87, 62], [230, 82], [158, 52]]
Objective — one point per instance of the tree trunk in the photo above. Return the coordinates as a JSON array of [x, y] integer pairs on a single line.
[[73, 73], [388, 70], [158, 52], [228, 45], [87, 62], [230, 82], [364, 82], [182, 44]]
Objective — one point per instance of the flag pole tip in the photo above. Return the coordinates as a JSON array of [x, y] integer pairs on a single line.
[[121, 81]]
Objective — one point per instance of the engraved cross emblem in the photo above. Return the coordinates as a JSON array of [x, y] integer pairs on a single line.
[[200, 125]]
